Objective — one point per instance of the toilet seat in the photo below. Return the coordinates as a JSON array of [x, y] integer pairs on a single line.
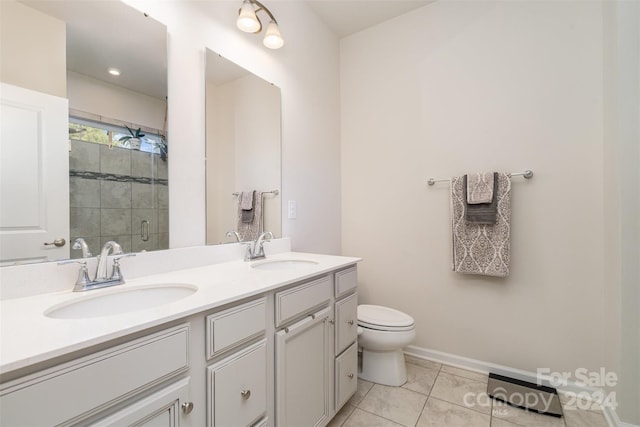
[[384, 318]]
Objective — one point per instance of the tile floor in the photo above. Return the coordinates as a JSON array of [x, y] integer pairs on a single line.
[[434, 396]]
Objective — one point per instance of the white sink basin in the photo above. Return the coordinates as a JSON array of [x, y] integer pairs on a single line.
[[283, 264], [113, 302]]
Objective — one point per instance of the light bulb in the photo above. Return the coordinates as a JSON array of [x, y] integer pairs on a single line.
[[247, 19], [272, 38]]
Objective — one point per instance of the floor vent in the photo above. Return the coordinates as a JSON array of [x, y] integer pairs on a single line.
[[525, 395]]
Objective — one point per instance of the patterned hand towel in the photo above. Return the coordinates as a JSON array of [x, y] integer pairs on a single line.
[[480, 213], [252, 229], [480, 187], [481, 248]]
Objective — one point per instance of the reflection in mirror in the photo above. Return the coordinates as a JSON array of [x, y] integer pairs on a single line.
[[111, 182], [243, 153]]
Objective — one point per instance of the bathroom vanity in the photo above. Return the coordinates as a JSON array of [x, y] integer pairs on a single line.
[[252, 344]]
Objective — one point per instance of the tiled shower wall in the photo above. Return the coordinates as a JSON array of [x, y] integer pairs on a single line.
[[112, 190]]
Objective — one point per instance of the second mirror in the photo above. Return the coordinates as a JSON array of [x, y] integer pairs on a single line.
[[243, 166]]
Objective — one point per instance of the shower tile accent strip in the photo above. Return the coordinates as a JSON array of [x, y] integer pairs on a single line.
[[117, 178]]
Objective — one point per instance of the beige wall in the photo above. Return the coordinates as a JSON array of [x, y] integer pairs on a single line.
[[473, 86], [456, 87], [31, 41], [97, 97]]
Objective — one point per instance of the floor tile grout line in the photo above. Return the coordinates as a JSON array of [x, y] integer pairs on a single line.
[[380, 416], [423, 406]]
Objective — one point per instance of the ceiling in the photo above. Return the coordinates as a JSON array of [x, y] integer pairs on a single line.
[[127, 38], [103, 34], [346, 17]]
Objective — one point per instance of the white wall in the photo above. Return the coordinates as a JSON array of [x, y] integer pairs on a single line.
[[307, 72], [474, 86], [31, 40], [97, 97], [622, 202]]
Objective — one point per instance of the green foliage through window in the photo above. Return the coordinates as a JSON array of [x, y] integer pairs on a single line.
[[108, 134]]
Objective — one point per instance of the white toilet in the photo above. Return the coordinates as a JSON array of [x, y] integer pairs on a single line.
[[382, 333]]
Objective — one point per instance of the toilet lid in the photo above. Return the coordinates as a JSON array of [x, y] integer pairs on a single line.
[[376, 315]]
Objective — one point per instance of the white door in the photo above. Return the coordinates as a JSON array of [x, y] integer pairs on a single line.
[[303, 372], [34, 175]]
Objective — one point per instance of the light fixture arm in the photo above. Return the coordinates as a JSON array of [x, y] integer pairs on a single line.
[[264, 8]]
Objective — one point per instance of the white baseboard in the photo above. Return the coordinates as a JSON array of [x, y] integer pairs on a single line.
[[486, 368]]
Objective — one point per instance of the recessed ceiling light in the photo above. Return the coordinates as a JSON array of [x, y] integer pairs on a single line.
[[113, 71]]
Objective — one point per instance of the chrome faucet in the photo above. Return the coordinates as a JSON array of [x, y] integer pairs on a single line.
[[101, 271], [255, 249], [80, 243], [234, 234], [84, 283]]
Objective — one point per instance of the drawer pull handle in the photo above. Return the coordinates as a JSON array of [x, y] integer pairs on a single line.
[[187, 407], [350, 322], [246, 394], [350, 376]]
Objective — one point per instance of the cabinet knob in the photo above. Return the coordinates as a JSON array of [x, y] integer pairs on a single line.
[[350, 376], [331, 322], [246, 394], [350, 322], [187, 407]]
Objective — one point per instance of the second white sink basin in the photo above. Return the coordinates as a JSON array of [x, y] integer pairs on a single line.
[[121, 301], [283, 264]]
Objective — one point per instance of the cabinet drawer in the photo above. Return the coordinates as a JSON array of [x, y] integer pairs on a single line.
[[76, 390], [159, 409], [346, 375], [346, 322], [235, 326], [346, 281], [237, 388], [302, 299]]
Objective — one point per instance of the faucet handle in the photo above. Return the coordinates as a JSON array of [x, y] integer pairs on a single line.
[[116, 273], [83, 275], [117, 258]]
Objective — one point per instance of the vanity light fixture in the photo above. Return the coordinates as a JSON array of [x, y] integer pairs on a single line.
[[113, 71], [249, 23]]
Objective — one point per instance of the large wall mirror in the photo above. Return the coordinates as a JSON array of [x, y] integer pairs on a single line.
[[84, 147], [243, 139]]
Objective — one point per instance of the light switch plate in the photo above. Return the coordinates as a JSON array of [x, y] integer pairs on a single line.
[[293, 209]]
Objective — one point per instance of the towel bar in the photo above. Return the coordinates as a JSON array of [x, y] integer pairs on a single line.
[[527, 174], [274, 192]]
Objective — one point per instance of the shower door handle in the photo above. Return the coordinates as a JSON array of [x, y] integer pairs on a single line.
[[144, 230]]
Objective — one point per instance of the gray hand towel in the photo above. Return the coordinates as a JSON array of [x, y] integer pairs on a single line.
[[481, 213], [250, 223], [246, 200], [480, 187]]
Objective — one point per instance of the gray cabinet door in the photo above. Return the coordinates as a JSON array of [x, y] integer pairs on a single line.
[[304, 372]]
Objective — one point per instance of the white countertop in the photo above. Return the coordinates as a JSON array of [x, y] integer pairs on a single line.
[[27, 336]]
